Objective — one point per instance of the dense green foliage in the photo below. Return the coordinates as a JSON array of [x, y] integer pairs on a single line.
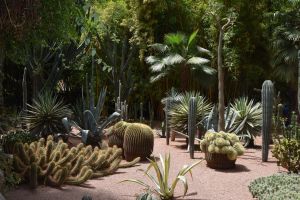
[[276, 187]]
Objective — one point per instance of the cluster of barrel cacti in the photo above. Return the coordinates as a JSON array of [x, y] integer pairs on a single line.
[[136, 139], [223, 143], [54, 164]]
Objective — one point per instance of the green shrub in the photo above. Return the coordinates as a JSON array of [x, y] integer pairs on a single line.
[[287, 146], [11, 178], [276, 187], [287, 151], [11, 138]]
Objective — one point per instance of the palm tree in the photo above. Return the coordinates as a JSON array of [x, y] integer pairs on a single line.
[[286, 44], [178, 53]]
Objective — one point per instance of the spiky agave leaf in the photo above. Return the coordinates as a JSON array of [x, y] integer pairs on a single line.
[[178, 114], [45, 114], [249, 117]]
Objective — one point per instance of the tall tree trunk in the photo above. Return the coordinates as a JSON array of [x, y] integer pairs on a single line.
[[221, 105], [184, 78], [298, 81], [1, 77]]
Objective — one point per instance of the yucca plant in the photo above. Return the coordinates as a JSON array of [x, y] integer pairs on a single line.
[[44, 115], [161, 179], [248, 121], [178, 114]]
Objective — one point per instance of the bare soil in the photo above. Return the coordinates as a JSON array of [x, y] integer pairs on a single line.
[[207, 184]]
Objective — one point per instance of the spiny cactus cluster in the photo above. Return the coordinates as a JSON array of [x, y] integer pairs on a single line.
[[117, 133], [222, 143], [136, 139], [55, 164], [276, 187]]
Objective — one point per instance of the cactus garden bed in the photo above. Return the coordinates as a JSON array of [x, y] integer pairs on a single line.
[[207, 183]]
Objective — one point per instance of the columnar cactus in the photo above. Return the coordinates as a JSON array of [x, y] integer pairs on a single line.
[[267, 108], [55, 164], [192, 125], [138, 141], [167, 121]]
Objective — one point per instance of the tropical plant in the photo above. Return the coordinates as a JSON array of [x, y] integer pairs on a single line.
[[45, 114], [248, 121], [178, 113], [222, 143], [178, 53], [161, 182], [277, 186]]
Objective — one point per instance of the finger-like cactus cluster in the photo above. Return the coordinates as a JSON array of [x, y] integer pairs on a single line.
[[55, 164], [136, 139], [222, 143]]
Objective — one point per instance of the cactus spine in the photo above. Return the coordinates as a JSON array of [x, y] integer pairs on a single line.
[[192, 125], [116, 136], [55, 164], [267, 108], [138, 141]]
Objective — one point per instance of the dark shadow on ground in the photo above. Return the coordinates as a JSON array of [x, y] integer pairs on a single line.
[[238, 168]]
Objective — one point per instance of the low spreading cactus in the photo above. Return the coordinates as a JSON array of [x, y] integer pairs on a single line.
[[223, 143]]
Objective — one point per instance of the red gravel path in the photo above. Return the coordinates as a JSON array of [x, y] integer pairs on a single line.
[[207, 184]]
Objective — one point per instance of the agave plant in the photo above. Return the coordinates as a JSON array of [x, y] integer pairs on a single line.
[[45, 114], [178, 114], [248, 121], [161, 182]]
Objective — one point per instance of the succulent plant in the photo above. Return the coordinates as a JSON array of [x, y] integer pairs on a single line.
[[55, 164], [178, 112], [222, 143], [138, 141], [45, 114], [276, 187], [116, 135], [192, 125], [267, 94]]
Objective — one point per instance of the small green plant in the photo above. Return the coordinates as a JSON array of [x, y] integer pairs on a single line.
[[222, 143], [287, 146], [45, 114], [276, 187], [11, 178], [9, 140], [161, 182]]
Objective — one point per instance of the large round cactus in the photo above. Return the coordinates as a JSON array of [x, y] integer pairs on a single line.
[[116, 137], [138, 141]]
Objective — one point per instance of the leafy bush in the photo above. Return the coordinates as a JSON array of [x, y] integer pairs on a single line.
[[161, 181], [11, 138], [45, 114], [248, 120], [276, 187], [178, 113], [11, 178], [223, 143], [287, 146]]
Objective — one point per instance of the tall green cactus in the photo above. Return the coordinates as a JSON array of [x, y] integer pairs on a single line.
[[138, 141], [167, 107], [192, 125], [24, 90], [267, 94]]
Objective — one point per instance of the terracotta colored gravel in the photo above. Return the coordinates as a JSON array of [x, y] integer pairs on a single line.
[[207, 184]]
